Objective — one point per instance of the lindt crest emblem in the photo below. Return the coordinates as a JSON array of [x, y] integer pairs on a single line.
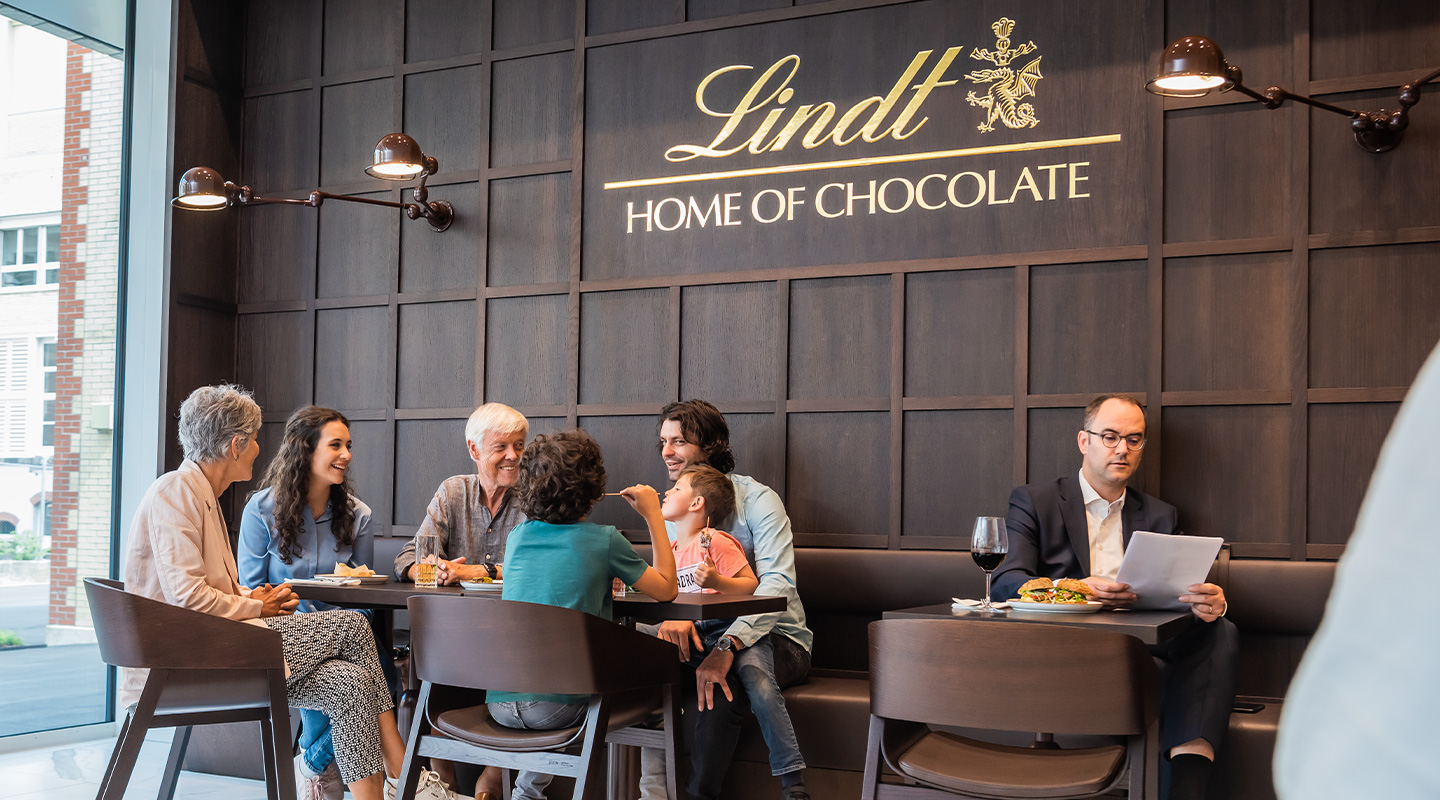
[[1007, 86]]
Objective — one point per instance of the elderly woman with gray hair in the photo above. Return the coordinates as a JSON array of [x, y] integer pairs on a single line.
[[179, 553]]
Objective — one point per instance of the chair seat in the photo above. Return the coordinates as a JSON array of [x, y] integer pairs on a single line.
[[991, 770], [475, 725]]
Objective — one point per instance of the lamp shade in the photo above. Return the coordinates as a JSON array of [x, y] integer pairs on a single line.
[[201, 189], [397, 158], [1191, 67]]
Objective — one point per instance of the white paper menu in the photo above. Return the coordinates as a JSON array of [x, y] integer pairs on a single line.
[[1160, 567]]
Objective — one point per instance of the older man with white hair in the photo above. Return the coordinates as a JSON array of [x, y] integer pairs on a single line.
[[473, 514]]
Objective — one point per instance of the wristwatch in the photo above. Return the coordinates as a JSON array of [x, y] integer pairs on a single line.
[[726, 644], [490, 570]]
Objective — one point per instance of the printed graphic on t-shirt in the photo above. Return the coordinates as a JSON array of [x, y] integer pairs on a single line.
[[686, 576]]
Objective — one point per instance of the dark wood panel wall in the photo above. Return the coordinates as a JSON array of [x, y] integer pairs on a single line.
[[1268, 289]]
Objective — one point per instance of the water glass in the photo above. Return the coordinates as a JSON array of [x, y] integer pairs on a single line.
[[427, 559]]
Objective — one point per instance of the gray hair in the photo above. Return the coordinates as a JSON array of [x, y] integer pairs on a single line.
[[212, 416], [495, 418]]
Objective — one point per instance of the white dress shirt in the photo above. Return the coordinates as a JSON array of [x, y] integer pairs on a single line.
[[1107, 543]]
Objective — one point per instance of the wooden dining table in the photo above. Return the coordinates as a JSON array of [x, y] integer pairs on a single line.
[[393, 594], [1150, 627]]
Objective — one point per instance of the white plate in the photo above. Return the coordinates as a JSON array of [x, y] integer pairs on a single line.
[[372, 579], [477, 586], [1058, 608]]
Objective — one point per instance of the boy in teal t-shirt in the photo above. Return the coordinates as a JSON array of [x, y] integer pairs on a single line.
[[558, 559]]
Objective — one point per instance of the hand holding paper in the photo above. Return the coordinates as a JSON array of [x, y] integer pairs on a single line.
[[1161, 567]]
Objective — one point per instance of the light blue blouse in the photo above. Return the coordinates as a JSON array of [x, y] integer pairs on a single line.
[[315, 551]]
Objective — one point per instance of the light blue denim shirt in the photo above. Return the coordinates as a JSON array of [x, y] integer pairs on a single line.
[[763, 530], [315, 550]]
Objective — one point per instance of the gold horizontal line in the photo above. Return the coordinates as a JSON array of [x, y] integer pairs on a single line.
[[1021, 147]]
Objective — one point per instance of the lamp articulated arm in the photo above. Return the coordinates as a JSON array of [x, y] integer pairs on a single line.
[[438, 213]]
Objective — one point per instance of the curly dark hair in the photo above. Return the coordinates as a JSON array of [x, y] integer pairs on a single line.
[[561, 477], [289, 475], [704, 426]]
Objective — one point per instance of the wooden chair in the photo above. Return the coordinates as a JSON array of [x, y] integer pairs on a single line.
[[1008, 677], [458, 646], [203, 670]]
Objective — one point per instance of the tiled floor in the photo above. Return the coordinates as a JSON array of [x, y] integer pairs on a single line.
[[73, 772]]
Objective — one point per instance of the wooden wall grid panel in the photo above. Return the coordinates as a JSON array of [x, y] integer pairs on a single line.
[[1266, 286]]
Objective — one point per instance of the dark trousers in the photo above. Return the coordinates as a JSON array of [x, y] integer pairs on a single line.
[[1198, 679], [714, 733]]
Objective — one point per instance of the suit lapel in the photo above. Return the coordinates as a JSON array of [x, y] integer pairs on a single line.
[[1072, 508], [1132, 516]]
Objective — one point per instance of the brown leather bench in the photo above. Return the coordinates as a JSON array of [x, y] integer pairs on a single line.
[[1277, 606]]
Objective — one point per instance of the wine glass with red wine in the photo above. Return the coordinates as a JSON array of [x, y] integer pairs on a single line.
[[988, 546]]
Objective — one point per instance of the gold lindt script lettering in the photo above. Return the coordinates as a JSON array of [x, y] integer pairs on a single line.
[[773, 86]]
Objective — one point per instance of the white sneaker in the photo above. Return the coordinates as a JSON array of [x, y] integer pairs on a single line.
[[325, 786], [430, 787]]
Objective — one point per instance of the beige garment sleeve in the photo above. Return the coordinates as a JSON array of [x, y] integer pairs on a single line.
[[177, 538]]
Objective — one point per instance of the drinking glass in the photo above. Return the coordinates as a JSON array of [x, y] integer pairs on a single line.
[[988, 546], [427, 557]]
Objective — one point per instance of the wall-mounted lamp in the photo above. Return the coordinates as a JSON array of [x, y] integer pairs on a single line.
[[1194, 66], [397, 158]]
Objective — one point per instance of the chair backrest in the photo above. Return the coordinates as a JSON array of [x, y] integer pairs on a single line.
[[1011, 676], [512, 646], [135, 631]]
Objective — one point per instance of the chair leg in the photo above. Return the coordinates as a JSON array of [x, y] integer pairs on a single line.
[[278, 746], [178, 745], [127, 749], [114, 756], [590, 784], [872, 759], [1145, 780], [674, 765], [267, 748], [409, 769]]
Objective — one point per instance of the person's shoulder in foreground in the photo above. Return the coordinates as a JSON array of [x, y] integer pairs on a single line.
[[1359, 718]]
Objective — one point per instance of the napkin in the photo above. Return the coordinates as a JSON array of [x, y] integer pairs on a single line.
[[957, 601], [324, 581]]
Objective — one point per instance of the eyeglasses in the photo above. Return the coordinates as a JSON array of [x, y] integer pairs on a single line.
[[1135, 441]]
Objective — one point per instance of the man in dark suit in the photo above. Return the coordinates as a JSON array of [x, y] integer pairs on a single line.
[[1079, 526]]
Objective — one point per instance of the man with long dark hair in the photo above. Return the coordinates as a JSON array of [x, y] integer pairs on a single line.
[[778, 644]]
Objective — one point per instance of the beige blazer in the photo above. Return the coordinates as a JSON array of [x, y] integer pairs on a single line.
[[179, 553]]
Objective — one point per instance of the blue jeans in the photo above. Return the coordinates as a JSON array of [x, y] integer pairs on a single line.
[[315, 741], [763, 669], [536, 715], [755, 666]]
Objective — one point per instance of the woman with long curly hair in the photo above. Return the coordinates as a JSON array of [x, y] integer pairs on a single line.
[[303, 522]]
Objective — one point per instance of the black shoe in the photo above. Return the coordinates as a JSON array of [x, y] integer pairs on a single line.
[[795, 792], [1190, 776]]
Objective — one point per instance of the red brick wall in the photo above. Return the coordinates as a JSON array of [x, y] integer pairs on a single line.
[[64, 496]]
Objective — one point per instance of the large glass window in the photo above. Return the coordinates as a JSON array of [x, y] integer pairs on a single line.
[[60, 125]]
